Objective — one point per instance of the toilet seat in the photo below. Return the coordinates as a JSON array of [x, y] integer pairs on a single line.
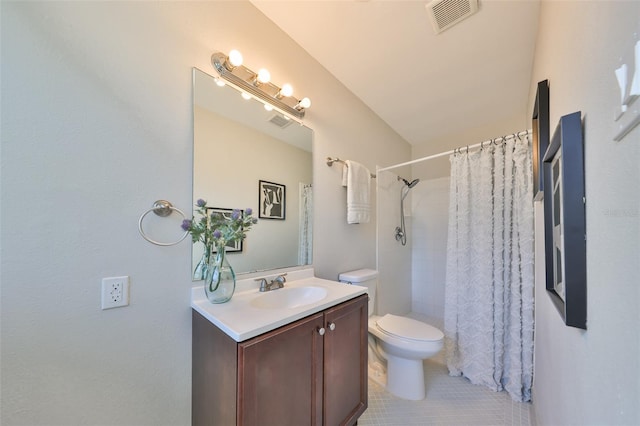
[[407, 328]]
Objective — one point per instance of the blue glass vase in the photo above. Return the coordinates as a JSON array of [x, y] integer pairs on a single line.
[[200, 271], [220, 279]]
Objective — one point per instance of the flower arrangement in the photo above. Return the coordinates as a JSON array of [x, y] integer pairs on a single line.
[[217, 229]]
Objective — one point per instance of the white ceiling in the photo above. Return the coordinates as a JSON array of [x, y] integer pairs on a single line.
[[424, 85]]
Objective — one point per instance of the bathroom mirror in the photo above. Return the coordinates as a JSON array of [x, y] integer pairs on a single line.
[[238, 147]]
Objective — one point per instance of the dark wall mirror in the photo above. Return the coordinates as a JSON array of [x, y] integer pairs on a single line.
[[541, 133], [564, 221]]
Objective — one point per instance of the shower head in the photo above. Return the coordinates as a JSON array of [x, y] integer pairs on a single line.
[[409, 184]]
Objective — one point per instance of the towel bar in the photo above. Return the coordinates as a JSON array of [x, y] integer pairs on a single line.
[[330, 162]]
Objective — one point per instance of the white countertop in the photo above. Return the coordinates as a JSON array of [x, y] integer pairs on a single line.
[[240, 320]]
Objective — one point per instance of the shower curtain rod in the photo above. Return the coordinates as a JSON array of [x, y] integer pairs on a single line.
[[442, 154]]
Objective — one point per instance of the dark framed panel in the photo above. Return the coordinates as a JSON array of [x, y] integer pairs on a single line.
[[233, 246], [541, 133], [272, 200], [564, 221]]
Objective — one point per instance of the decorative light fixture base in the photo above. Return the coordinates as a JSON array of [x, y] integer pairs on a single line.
[[242, 78]]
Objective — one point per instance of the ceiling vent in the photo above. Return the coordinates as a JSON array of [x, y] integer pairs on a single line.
[[446, 13], [279, 120]]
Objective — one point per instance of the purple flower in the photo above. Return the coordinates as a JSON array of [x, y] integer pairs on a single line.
[[217, 234], [248, 211], [201, 202], [235, 215], [186, 224]]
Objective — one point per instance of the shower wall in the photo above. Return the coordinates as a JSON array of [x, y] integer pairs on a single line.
[[394, 259], [430, 205]]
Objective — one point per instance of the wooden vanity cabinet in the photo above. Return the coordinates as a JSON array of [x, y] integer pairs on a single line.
[[294, 375]]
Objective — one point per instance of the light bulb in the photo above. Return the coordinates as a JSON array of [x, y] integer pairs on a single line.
[[220, 82], [246, 96], [305, 103], [264, 75], [235, 58], [286, 90], [268, 107]]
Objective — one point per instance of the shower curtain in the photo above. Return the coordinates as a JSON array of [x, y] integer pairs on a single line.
[[305, 235], [490, 273]]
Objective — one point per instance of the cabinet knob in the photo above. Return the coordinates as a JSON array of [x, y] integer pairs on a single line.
[[321, 331], [332, 326]]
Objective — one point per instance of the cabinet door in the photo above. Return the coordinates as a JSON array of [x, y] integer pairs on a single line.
[[214, 374], [345, 362], [280, 376]]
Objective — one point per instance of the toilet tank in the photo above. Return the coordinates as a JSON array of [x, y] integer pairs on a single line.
[[365, 277]]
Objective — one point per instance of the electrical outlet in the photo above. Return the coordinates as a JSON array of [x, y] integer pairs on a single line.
[[115, 292]]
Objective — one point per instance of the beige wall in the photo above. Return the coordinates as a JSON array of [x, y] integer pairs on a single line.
[[96, 126], [592, 377]]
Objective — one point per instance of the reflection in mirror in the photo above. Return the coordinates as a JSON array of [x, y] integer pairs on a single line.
[[237, 144]]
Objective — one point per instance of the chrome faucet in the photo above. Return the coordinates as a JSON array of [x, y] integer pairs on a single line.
[[276, 283]]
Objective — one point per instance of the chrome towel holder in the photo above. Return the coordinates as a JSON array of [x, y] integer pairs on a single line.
[[330, 162], [162, 208]]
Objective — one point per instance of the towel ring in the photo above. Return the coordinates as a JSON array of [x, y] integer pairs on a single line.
[[162, 208]]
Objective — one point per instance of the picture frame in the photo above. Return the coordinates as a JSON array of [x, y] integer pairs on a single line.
[[540, 138], [271, 200], [231, 247], [565, 221]]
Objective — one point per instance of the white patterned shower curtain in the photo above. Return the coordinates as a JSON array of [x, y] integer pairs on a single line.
[[305, 235], [489, 318]]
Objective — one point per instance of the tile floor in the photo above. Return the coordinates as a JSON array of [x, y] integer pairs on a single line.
[[449, 401]]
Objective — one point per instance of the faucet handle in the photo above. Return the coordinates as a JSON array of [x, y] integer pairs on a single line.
[[263, 283], [279, 281]]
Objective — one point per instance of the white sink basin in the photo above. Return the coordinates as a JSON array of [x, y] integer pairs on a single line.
[[289, 297]]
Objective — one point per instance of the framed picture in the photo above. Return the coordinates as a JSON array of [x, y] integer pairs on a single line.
[[541, 133], [231, 247], [564, 222], [271, 200]]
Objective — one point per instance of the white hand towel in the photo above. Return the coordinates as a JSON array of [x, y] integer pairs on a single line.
[[357, 179]]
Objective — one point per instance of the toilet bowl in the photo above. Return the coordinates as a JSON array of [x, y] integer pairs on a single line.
[[405, 343], [402, 342]]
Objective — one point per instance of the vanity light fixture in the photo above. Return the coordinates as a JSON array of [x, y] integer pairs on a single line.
[[263, 76], [233, 60], [258, 84], [286, 90], [303, 104]]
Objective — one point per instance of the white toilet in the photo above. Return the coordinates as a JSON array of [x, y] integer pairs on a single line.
[[404, 342]]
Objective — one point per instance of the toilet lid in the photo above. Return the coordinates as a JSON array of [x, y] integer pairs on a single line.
[[408, 328]]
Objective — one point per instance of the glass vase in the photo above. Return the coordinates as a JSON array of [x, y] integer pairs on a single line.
[[200, 271], [220, 280]]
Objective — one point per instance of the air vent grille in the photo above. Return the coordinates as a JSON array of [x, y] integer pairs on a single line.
[[446, 13], [279, 120]]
